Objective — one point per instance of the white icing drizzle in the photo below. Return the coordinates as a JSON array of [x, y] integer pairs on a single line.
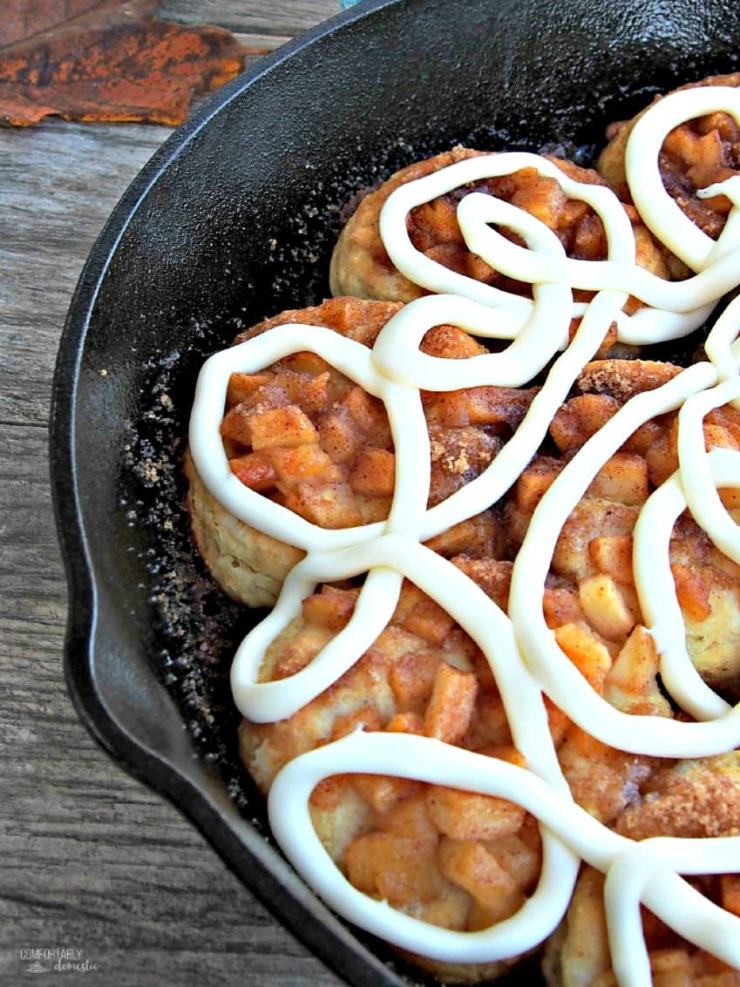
[[652, 735], [423, 759], [523, 654], [682, 237], [659, 604], [701, 494]]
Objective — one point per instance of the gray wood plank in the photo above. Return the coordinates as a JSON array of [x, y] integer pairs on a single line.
[[58, 183], [91, 859], [288, 17]]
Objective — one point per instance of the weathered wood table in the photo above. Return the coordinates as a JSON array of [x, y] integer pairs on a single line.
[[91, 860]]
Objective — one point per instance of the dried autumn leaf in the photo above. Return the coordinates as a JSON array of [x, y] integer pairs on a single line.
[[106, 60]]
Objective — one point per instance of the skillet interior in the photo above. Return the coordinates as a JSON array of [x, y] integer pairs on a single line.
[[233, 220]]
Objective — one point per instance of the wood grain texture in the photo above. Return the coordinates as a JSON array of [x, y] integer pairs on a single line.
[[288, 17], [89, 858]]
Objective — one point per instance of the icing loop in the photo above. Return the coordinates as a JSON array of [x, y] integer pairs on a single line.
[[522, 652], [424, 759]]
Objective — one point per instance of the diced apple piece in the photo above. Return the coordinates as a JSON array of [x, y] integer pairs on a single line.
[[235, 426], [624, 478], [728, 418], [287, 426], [301, 650], [315, 393], [395, 868], [411, 819], [409, 597], [612, 555], [662, 456], [580, 418], [588, 655], [672, 968], [484, 916], [703, 151], [369, 414], [730, 497], [450, 909], [497, 405], [340, 436], [295, 464], [331, 608], [718, 437], [589, 238], [723, 123], [605, 607], [586, 948], [405, 723], [481, 536], [429, 621], [382, 792], [493, 576], [242, 386], [447, 341], [304, 362], [451, 706], [603, 780], [373, 473], [591, 518], [648, 258], [331, 505], [329, 792], [468, 816], [631, 683], [436, 222], [254, 470], [730, 885], [522, 859], [692, 593], [535, 481], [490, 720], [373, 509], [643, 437], [561, 606], [543, 198], [472, 867], [412, 677]]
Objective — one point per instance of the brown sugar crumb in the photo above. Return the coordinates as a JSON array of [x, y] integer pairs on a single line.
[[695, 799]]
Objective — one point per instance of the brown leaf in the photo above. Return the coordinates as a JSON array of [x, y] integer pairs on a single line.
[[106, 60]]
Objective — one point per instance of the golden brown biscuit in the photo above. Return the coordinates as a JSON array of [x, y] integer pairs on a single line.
[[454, 858], [361, 266], [697, 798], [465, 861], [593, 556], [308, 438], [457, 860], [246, 563], [694, 155]]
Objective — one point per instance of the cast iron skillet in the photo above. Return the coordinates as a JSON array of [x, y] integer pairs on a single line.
[[233, 220]]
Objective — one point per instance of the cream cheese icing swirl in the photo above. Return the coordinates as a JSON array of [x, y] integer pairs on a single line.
[[522, 652]]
